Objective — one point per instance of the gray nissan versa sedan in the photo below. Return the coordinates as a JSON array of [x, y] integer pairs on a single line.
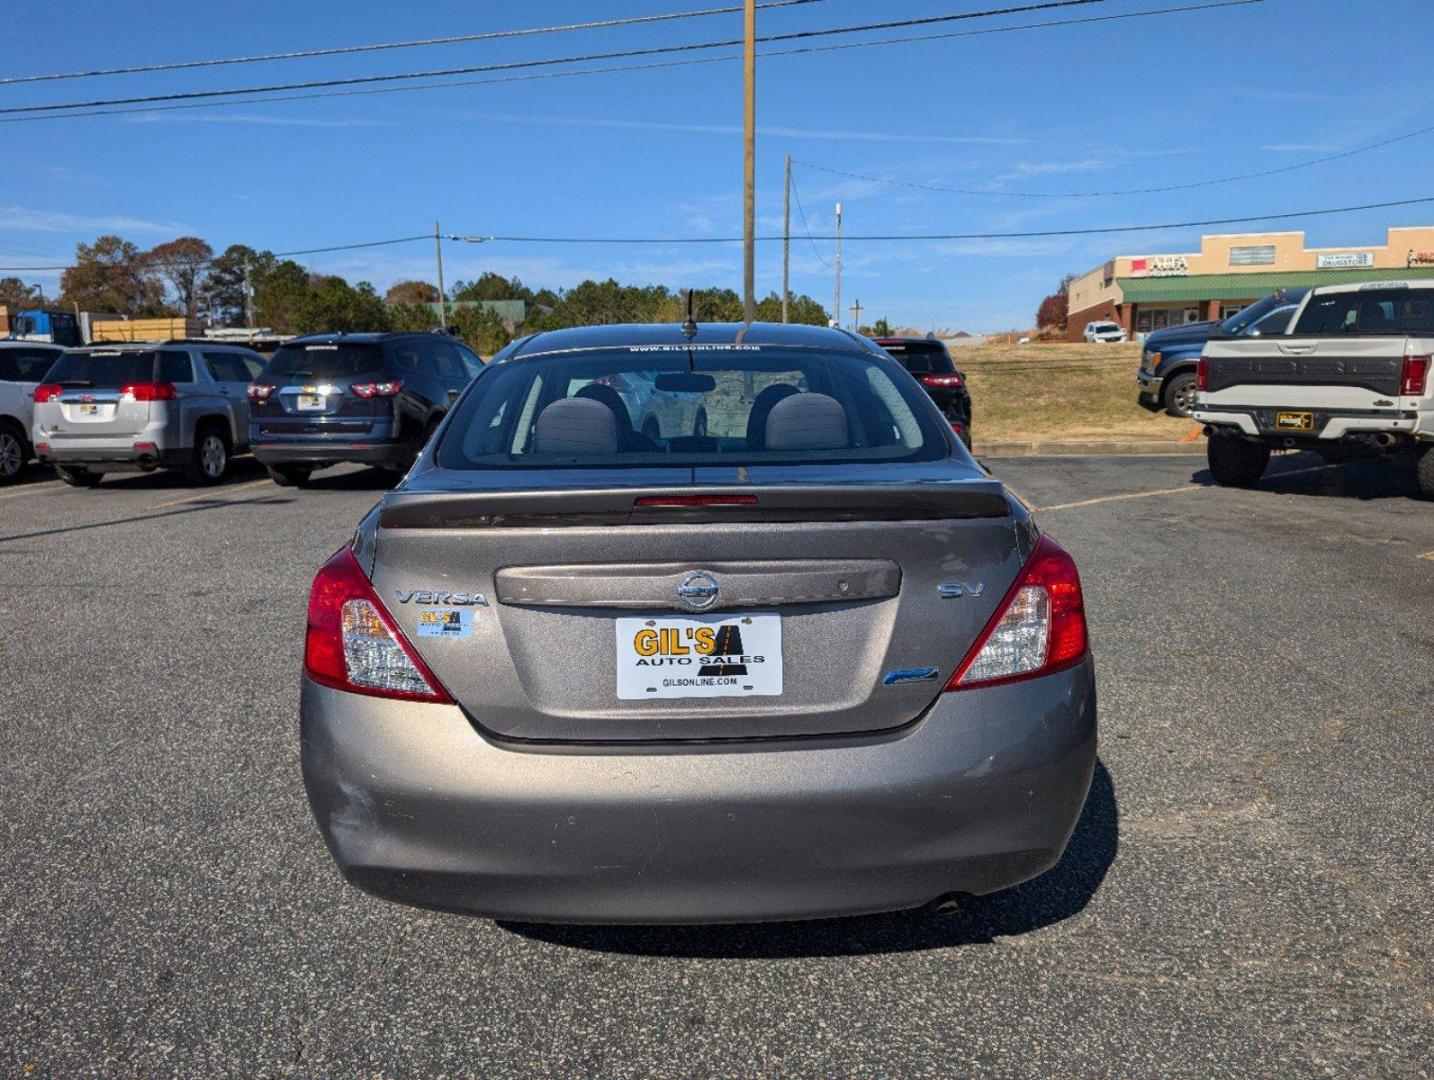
[[809, 660]]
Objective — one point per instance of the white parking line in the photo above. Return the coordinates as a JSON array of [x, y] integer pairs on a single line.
[[1427, 555], [210, 494], [1164, 491], [32, 489]]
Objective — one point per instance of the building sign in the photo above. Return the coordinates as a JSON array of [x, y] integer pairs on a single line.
[[1253, 255], [1345, 260], [1160, 266], [1421, 258]]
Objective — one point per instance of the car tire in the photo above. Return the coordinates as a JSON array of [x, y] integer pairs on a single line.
[[80, 478], [209, 460], [14, 453], [1234, 462], [289, 475], [1179, 394], [1424, 471]]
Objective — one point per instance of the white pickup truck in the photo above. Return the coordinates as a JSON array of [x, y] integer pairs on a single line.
[[1350, 377]]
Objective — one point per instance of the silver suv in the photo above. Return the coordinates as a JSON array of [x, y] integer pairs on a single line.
[[121, 408]]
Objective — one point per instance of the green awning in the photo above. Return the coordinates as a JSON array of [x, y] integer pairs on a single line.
[[1174, 290]]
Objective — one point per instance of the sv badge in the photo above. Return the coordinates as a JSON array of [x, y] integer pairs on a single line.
[[954, 590]]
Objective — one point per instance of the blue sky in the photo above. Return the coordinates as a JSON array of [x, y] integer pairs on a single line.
[[1114, 105]]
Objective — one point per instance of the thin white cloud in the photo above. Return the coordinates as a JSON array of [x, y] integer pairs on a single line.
[[1300, 148], [27, 219], [734, 129], [252, 118]]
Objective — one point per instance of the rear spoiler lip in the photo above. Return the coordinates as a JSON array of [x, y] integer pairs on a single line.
[[615, 506]]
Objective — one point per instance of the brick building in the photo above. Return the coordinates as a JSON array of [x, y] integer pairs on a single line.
[[1147, 292]]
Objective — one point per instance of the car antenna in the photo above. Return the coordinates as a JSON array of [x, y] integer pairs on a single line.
[[689, 324]]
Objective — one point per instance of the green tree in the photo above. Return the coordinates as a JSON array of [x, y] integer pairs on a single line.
[[411, 292], [332, 304], [800, 309], [412, 316], [15, 294], [113, 275], [184, 263], [481, 329], [491, 286], [226, 280]]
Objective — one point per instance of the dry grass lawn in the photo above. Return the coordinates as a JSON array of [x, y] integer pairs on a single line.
[[1061, 392]]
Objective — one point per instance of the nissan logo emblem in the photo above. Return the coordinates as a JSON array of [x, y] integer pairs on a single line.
[[699, 591]]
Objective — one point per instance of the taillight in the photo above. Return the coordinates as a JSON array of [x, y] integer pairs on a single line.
[[260, 391], [1038, 629], [352, 643], [1414, 376], [1202, 374], [378, 389], [47, 392], [695, 500], [148, 391], [943, 382]]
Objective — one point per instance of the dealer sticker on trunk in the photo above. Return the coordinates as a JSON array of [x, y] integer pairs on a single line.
[[699, 656]]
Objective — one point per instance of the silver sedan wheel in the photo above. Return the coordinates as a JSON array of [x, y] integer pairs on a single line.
[[12, 456], [213, 457]]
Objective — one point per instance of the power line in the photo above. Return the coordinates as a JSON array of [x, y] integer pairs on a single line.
[[805, 227], [1022, 235], [457, 39], [1014, 235], [806, 50], [276, 254], [1128, 191], [521, 64]]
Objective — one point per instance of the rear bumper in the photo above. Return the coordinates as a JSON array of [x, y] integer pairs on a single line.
[[331, 452], [418, 806], [1329, 424], [125, 459]]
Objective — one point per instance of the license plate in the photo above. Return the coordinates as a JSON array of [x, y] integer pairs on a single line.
[[89, 410], [311, 402], [699, 656], [1294, 421]]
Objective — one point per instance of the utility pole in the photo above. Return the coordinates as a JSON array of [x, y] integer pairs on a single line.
[[749, 164], [248, 297], [836, 307], [442, 296], [787, 239], [856, 310]]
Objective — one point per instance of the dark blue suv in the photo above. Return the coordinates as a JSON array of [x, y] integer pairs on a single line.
[[368, 398]]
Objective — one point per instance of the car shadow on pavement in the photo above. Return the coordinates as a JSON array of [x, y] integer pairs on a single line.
[[1056, 895], [357, 480], [1364, 479]]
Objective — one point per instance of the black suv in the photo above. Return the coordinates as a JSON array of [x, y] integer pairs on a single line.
[[931, 365], [367, 398]]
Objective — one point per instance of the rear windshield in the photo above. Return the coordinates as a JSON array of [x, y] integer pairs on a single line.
[[110, 370], [1246, 317], [657, 405], [922, 358], [25, 365], [1369, 311], [324, 361]]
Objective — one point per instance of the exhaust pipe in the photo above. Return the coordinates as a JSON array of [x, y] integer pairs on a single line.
[[1384, 438]]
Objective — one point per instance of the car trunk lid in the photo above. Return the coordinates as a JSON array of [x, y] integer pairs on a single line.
[[544, 590]]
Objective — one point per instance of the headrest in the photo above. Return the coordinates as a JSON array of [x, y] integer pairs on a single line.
[[575, 426], [807, 422], [761, 409], [611, 398]]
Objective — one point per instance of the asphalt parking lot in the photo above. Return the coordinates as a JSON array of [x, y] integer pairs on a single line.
[[1248, 892]]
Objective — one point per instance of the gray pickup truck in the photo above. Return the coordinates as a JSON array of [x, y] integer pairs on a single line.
[[179, 405], [1350, 377]]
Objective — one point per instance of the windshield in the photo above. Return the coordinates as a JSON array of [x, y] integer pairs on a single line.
[[1245, 318], [103, 370], [655, 406], [922, 357], [1387, 310], [324, 361]]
